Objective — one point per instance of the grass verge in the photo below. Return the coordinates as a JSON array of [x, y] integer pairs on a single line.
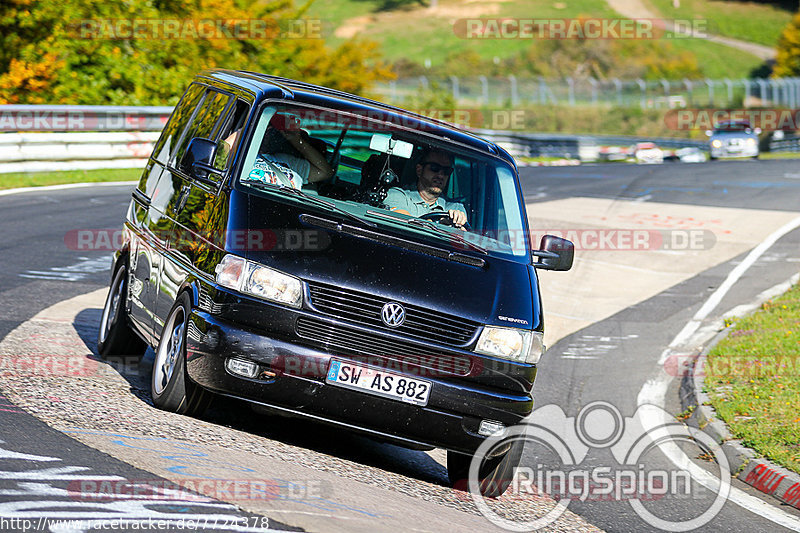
[[779, 155], [425, 34], [753, 381], [38, 179], [755, 22]]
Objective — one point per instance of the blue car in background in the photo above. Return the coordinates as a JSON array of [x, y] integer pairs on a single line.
[[733, 139]]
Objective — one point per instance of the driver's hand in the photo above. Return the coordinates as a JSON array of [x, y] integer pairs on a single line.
[[459, 217]]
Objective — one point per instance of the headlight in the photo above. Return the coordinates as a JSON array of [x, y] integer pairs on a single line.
[[751, 141], [251, 278], [511, 343], [716, 143]]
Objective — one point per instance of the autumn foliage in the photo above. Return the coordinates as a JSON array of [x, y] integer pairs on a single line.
[[46, 56], [787, 60]]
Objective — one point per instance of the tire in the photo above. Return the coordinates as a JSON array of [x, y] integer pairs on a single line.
[[170, 389], [115, 336], [494, 475]]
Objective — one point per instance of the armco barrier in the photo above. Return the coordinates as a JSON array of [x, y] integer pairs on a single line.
[[47, 138], [59, 137], [35, 152]]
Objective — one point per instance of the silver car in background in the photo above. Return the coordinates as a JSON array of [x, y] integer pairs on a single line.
[[733, 139]]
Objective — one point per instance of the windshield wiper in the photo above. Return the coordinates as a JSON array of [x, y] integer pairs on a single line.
[[423, 223], [314, 199]]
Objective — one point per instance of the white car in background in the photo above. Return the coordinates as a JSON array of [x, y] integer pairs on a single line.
[[691, 155], [648, 152]]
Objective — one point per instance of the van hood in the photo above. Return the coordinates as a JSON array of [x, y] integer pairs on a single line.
[[501, 292]]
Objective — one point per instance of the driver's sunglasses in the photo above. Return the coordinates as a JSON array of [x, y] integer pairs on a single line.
[[436, 168]]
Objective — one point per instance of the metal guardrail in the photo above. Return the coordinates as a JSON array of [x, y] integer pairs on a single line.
[[583, 147], [38, 152], [787, 144], [93, 137], [60, 137]]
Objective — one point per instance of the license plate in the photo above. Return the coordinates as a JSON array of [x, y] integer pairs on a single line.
[[378, 382]]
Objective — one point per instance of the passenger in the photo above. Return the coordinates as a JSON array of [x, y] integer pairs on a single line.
[[433, 173], [311, 167]]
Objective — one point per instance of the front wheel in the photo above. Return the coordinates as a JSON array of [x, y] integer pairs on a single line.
[[494, 474], [170, 389], [115, 337]]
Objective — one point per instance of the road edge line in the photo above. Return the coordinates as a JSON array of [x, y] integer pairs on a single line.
[[63, 186]]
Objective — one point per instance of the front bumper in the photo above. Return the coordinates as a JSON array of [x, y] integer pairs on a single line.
[[725, 152], [292, 381]]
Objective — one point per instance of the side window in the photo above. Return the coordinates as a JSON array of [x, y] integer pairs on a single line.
[[205, 122], [177, 123]]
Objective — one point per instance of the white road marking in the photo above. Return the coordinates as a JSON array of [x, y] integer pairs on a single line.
[[19, 190], [654, 390], [76, 272], [593, 346], [65, 509]]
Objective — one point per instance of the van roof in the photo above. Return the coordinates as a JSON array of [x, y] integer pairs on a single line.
[[266, 86]]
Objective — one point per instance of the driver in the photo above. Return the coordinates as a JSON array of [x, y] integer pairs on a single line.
[[433, 172]]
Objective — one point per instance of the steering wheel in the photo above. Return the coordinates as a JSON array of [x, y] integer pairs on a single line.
[[443, 218]]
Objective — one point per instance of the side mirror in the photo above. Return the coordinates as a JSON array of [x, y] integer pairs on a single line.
[[555, 253], [198, 160]]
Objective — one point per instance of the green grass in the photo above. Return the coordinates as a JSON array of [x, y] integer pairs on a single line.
[[779, 155], [38, 179], [749, 21], [718, 61], [753, 379], [414, 33]]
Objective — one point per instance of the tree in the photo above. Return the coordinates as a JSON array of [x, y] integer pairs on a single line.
[[787, 60], [78, 52]]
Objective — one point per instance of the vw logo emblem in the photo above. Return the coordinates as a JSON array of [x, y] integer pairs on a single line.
[[393, 314]]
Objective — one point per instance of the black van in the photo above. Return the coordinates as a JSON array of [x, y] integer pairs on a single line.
[[323, 255]]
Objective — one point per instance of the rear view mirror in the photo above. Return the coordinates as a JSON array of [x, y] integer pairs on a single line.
[[385, 144], [554, 253]]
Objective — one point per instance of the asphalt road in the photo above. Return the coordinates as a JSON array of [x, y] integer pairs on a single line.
[[608, 361], [611, 360]]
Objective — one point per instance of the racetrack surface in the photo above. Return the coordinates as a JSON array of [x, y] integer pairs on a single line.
[[608, 322]]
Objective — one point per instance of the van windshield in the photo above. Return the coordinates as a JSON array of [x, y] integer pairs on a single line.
[[387, 175]]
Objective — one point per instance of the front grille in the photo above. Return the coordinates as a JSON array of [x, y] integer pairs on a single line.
[[379, 350], [365, 309]]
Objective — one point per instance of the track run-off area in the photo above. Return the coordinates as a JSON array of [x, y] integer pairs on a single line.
[[663, 253]]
